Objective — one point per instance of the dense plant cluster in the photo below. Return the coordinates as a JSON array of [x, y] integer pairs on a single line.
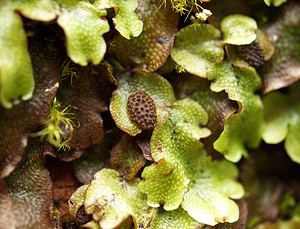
[[149, 114]]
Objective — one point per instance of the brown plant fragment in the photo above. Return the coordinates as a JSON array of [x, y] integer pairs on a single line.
[[151, 49], [127, 158], [266, 45], [144, 143], [86, 166], [6, 210], [82, 217], [106, 70], [30, 189], [95, 158], [64, 184], [252, 54], [17, 123], [67, 222], [243, 218], [283, 69], [85, 101], [142, 110]]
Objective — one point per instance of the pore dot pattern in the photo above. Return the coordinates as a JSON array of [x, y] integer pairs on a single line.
[[142, 110]]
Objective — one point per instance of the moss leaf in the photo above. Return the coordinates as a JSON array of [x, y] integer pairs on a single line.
[[126, 20], [238, 29], [282, 121], [179, 131], [197, 48], [217, 105], [84, 27], [245, 127], [208, 200], [165, 183]]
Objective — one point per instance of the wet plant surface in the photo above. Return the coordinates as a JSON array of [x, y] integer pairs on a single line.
[[149, 114]]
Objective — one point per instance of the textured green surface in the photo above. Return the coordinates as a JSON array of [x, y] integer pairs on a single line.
[[176, 136], [165, 183], [150, 49], [77, 199], [238, 29], [173, 219], [126, 20], [213, 184], [197, 48], [153, 84], [180, 156], [41, 10], [167, 180], [162, 177], [111, 200], [217, 105], [245, 127], [30, 189], [282, 115], [84, 28], [239, 82]]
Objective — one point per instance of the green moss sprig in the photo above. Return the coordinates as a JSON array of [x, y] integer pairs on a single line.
[[58, 123], [68, 70], [183, 6]]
